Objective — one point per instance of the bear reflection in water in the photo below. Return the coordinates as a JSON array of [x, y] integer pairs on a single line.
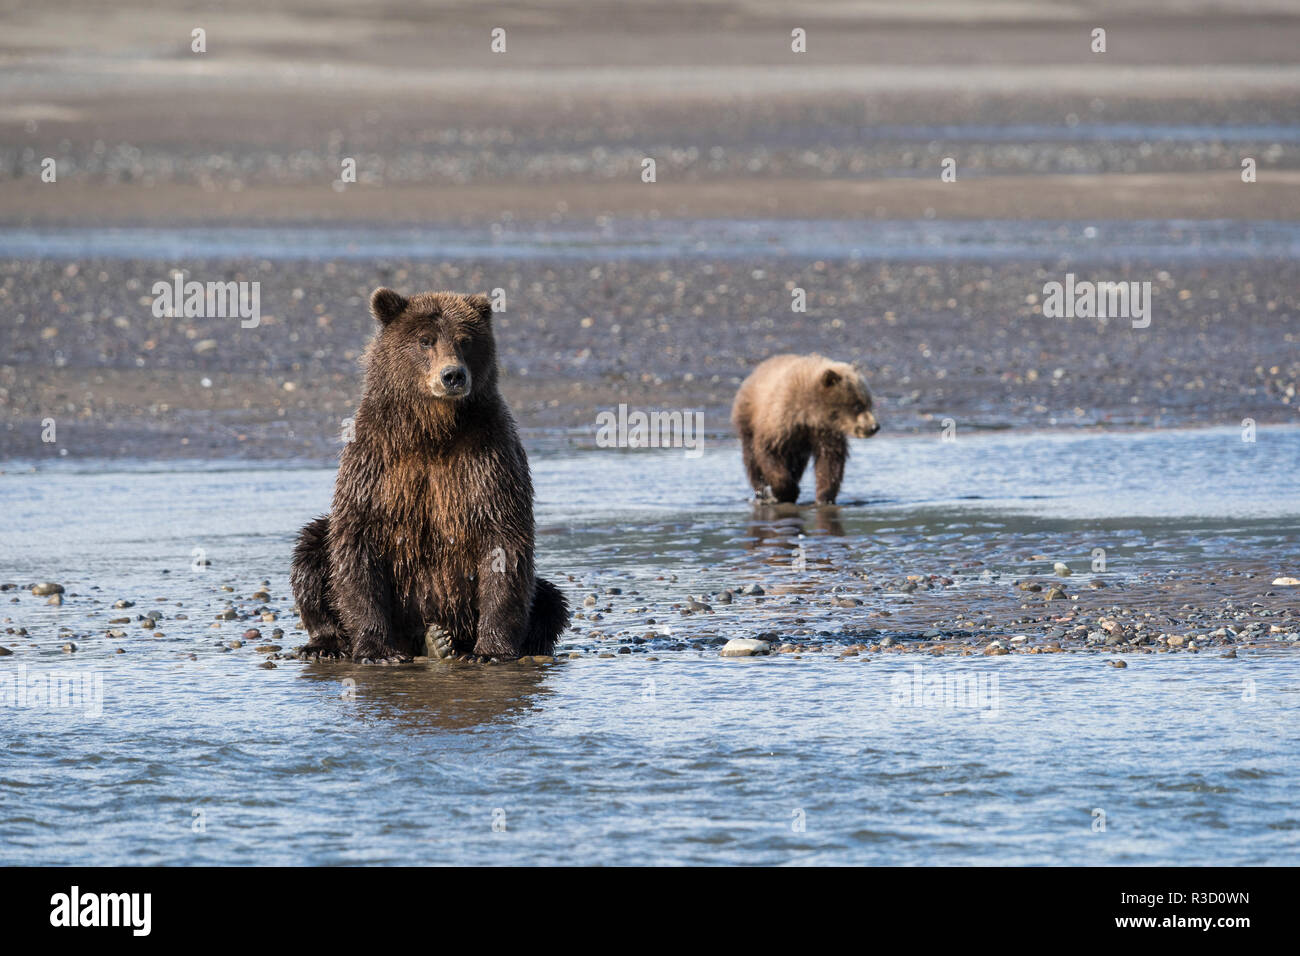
[[435, 696]]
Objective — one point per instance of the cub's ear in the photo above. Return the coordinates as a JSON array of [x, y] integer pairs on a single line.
[[386, 305], [482, 304], [830, 377]]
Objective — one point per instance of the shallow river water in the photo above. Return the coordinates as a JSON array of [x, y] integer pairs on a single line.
[[184, 750]]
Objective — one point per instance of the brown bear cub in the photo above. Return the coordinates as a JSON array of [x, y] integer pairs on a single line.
[[429, 543], [795, 406]]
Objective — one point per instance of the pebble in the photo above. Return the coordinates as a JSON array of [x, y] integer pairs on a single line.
[[1061, 569], [745, 647], [267, 665], [56, 600], [252, 634], [5, 652], [46, 588], [267, 648], [1286, 582], [1118, 663]]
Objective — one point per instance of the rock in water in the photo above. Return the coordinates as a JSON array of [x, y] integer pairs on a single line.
[[745, 647], [46, 589], [1286, 582], [1062, 569]]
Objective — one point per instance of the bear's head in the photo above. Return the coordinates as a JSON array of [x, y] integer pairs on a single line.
[[846, 400], [435, 345]]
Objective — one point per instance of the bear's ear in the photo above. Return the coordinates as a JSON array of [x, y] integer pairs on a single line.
[[386, 305], [482, 305], [830, 377]]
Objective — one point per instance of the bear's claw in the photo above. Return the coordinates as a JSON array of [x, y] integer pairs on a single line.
[[438, 643], [316, 652]]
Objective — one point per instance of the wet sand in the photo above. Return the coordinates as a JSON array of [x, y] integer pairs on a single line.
[[965, 341]]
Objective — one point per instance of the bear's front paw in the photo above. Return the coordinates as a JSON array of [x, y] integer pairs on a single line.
[[437, 643], [318, 652], [370, 650]]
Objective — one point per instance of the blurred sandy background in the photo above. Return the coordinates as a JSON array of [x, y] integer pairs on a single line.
[[739, 125]]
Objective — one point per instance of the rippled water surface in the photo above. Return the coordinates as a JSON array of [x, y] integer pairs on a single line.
[[667, 753], [898, 240]]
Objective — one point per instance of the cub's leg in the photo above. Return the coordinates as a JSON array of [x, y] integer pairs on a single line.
[[782, 468], [831, 454], [752, 468]]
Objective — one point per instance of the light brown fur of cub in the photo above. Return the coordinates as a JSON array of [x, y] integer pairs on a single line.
[[793, 407]]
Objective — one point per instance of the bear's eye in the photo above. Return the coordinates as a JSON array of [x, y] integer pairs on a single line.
[[426, 341]]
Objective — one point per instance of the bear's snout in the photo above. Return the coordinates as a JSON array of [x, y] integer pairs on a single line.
[[866, 426], [452, 381]]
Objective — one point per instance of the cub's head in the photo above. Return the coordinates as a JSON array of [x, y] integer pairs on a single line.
[[435, 344], [844, 397]]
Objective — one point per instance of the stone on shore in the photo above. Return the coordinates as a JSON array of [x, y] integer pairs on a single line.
[[745, 647]]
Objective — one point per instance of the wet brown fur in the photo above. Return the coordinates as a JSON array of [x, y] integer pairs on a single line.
[[793, 407], [432, 517]]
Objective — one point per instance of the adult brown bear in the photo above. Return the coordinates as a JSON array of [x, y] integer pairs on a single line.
[[792, 407], [430, 536]]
